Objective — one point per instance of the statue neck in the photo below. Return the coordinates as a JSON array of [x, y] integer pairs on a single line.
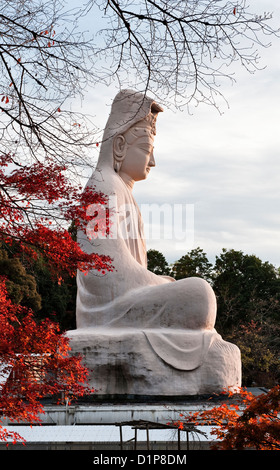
[[127, 179]]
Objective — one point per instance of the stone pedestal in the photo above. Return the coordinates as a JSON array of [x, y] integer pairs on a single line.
[[122, 362]]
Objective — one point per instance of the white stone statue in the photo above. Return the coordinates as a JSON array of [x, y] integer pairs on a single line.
[[143, 334]]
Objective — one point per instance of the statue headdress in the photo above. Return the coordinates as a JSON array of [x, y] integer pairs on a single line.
[[128, 109]]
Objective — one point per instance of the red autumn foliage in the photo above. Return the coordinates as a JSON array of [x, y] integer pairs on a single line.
[[243, 421], [34, 363], [37, 202]]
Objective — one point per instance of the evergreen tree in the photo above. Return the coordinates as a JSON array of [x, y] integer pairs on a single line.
[[194, 263], [157, 263]]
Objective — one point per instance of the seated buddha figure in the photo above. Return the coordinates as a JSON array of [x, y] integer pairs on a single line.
[[176, 319]]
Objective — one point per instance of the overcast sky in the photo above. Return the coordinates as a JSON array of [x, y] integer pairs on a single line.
[[226, 167]]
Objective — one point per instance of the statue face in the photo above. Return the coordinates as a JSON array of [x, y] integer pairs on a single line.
[[138, 156]]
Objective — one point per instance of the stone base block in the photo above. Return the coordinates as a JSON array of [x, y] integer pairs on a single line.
[[122, 362]]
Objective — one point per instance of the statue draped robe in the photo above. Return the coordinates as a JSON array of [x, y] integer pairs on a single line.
[[175, 319]]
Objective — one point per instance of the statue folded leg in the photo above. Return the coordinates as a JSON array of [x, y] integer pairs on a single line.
[[186, 304]]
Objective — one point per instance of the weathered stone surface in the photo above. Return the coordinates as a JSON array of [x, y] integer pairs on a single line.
[[122, 362]]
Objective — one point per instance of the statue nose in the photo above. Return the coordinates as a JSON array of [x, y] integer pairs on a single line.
[[152, 160]]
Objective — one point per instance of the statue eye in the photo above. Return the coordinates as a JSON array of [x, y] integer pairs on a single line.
[[146, 147]]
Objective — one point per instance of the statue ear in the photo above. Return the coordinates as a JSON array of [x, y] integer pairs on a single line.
[[119, 150], [119, 145]]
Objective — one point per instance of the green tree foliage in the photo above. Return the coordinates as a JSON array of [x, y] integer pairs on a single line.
[[21, 286], [58, 298], [246, 287], [157, 263], [248, 294], [194, 263], [259, 345], [30, 283]]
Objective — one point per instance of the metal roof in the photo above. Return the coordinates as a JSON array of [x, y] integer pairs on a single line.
[[100, 433]]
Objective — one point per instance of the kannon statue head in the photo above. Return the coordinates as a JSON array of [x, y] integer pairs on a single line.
[[133, 149], [129, 131]]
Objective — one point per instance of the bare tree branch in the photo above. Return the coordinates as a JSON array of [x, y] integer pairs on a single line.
[[41, 68], [180, 50]]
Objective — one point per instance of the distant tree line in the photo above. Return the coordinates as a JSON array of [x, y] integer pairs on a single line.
[[247, 290]]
